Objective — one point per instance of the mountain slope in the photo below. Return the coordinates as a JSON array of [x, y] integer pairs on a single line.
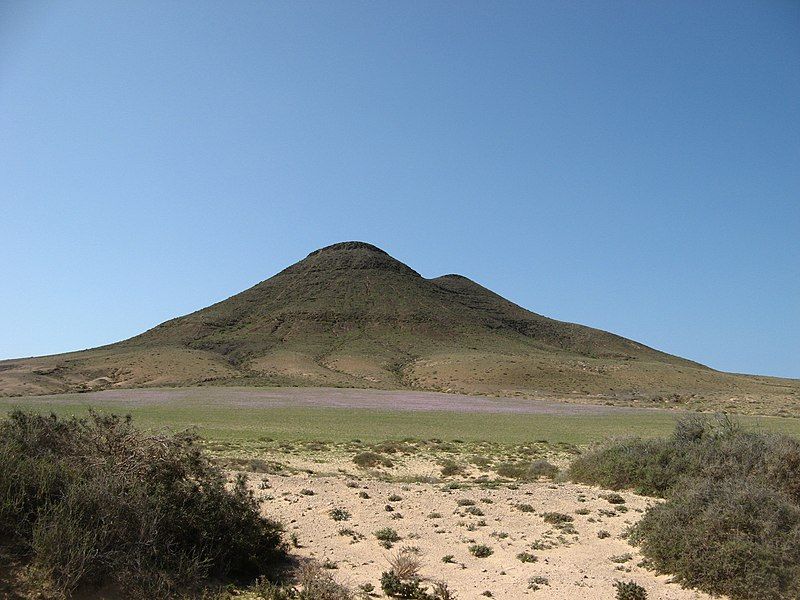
[[351, 315]]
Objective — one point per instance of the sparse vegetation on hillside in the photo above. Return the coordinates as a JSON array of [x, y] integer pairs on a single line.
[[731, 522], [94, 501]]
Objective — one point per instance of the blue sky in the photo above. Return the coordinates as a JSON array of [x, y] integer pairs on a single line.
[[634, 166]]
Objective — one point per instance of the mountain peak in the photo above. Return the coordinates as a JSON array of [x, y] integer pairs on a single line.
[[352, 255], [343, 246]]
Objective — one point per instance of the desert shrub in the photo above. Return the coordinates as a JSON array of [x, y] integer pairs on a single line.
[[630, 590], [451, 468], [700, 447], [354, 535], [252, 465], [395, 587], [441, 591], [731, 523], [480, 550], [541, 468], [527, 471], [536, 582], [613, 498], [649, 467], [734, 537], [405, 564], [314, 582], [527, 557], [387, 534], [339, 514], [413, 589], [94, 501], [393, 447], [319, 585], [556, 518], [267, 590], [621, 558], [368, 460], [403, 580]]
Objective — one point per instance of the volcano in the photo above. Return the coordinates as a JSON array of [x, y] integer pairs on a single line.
[[350, 315]]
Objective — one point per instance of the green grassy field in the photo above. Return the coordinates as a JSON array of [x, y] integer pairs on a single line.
[[338, 425]]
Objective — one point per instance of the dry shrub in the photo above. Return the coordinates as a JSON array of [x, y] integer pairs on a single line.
[[732, 537], [96, 501], [405, 564], [731, 523], [317, 584], [701, 447], [368, 460]]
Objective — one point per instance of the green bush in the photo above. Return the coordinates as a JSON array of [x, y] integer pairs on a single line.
[[480, 550], [402, 580], [536, 582], [339, 514], [701, 447], [630, 590], [556, 518], [650, 467], [734, 537], [395, 587], [527, 557], [613, 498], [451, 468], [731, 523], [387, 534], [315, 584], [367, 460], [95, 501]]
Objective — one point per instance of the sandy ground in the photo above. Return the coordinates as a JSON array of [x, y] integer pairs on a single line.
[[574, 563], [312, 397]]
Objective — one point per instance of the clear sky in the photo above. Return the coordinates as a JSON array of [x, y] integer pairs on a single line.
[[634, 166]]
